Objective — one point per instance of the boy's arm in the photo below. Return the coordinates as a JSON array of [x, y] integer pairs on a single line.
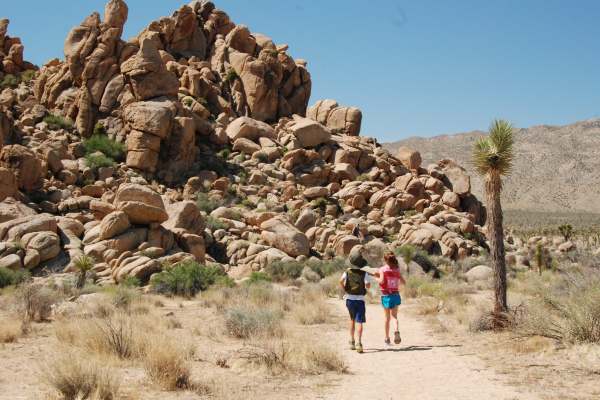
[[343, 281]]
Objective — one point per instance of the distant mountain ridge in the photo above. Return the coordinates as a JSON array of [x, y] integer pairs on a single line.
[[557, 168]]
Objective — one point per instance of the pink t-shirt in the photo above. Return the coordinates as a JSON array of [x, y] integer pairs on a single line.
[[391, 280]]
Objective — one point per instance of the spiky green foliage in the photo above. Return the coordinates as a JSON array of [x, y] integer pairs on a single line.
[[566, 230], [495, 152], [102, 143], [186, 279], [9, 277], [98, 160], [28, 76], [83, 264], [407, 252], [9, 81], [58, 122]]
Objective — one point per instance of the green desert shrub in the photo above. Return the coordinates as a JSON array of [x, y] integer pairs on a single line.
[[258, 277], [281, 271], [326, 268], [206, 203], [98, 160], [8, 277], [9, 81], [186, 279], [105, 145], [28, 76], [214, 224], [58, 122]]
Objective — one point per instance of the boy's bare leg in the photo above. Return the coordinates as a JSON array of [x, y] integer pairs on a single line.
[[360, 331], [352, 324]]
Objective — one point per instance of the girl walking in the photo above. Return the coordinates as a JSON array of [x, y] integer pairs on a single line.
[[390, 279]]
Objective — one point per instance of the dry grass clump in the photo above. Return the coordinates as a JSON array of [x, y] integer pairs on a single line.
[[310, 307], [568, 311], [11, 329], [74, 377], [35, 301], [294, 355], [167, 364], [243, 322]]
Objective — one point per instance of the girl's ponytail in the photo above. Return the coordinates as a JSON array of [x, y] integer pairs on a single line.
[[391, 260]]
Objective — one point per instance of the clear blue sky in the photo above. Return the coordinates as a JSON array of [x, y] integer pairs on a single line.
[[414, 67]]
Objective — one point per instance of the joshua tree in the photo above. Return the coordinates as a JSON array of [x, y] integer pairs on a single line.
[[83, 264], [566, 230], [539, 257], [493, 158]]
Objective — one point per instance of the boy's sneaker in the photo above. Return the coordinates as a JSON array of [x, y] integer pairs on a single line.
[[352, 346], [397, 338], [359, 348]]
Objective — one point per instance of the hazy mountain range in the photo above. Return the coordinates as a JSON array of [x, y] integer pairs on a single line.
[[557, 168]]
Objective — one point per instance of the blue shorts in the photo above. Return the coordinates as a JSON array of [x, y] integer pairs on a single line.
[[391, 300], [357, 310]]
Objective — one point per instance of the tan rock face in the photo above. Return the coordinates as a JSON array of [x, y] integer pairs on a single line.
[[184, 215], [410, 158], [308, 132], [147, 74], [113, 224], [249, 128], [282, 235], [456, 177], [344, 120], [8, 184], [141, 204], [24, 164]]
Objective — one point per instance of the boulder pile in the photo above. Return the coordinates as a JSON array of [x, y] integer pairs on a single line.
[[223, 161]]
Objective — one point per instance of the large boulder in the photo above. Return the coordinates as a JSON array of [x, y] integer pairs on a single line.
[[281, 234], [113, 224], [141, 204], [249, 128], [345, 120], [409, 157], [27, 168], [479, 273], [8, 184], [309, 133], [456, 177], [185, 215], [147, 74]]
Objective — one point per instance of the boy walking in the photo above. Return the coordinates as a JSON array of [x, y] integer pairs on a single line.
[[355, 283]]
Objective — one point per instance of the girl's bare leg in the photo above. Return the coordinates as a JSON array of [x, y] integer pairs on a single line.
[[387, 323], [394, 312]]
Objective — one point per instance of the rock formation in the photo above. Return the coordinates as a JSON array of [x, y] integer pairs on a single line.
[[224, 164]]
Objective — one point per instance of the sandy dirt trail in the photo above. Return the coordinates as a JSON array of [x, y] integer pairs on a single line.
[[422, 367]]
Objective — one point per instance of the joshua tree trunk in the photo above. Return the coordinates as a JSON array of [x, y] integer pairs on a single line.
[[496, 238], [81, 280]]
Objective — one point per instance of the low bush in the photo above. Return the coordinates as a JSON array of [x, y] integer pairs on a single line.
[[28, 76], [258, 277], [281, 271], [206, 203], [8, 277], [10, 329], [97, 160], [326, 268], [243, 322], [74, 377], [314, 313], [35, 302], [214, 224], [186, 279], [58, 122], [166, 363], [568, 311], [9, 81], [103, 144]]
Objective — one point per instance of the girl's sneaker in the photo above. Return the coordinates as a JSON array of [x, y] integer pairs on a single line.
[[397, 338], [387, 342], [359, 348], [352, 346]]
